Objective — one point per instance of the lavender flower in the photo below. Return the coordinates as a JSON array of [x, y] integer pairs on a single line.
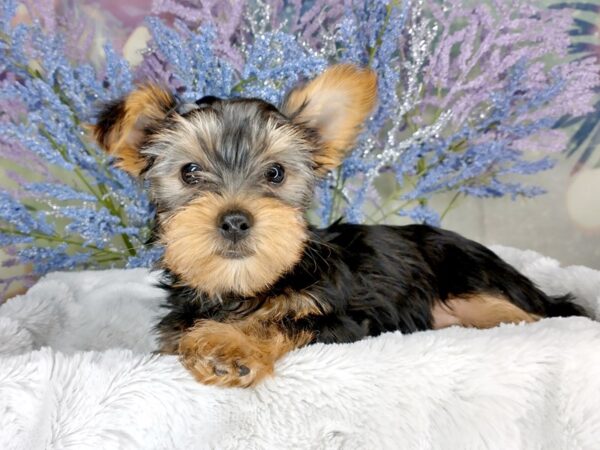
[[475, 97], [72, 208]]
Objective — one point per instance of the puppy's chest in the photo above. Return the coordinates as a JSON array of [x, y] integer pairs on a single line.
[[343, 295], [289, 305]]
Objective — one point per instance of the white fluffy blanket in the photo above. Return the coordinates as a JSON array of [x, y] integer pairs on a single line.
[[76, 372]]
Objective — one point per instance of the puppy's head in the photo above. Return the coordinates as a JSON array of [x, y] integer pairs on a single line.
[[231, 179]]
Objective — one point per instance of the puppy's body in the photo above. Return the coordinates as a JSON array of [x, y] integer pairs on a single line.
[[249, 279], [362, 281]]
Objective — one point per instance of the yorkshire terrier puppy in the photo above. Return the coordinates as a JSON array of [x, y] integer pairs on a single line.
[[249, 279]]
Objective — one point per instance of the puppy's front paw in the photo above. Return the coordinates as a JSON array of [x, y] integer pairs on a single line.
[[221, 354]]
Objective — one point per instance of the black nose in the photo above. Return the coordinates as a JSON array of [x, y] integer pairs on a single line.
[[235, 225]]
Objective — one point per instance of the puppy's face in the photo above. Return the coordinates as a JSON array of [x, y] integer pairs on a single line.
[[231, 179]]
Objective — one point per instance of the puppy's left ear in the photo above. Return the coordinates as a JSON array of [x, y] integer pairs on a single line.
[[123, 125], [335, 105]]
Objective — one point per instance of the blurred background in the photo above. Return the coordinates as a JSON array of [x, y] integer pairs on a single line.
[[563, 223]]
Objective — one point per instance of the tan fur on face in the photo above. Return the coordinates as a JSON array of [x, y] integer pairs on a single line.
[[479, 311], [336, 104], [192, 243], [147, 105]]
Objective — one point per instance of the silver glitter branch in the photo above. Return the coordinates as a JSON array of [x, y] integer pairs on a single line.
[[421, 33]]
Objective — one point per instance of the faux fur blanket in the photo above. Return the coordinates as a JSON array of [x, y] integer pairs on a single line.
[[76, 371]]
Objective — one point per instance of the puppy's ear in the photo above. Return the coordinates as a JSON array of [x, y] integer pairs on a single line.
[[123, 124], [335, 104]]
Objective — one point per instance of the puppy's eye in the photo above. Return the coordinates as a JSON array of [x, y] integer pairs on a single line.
[[191, 173], [275, 174]]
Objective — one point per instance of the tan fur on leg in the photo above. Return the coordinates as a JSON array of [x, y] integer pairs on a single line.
[[481, 311], [235, 355]]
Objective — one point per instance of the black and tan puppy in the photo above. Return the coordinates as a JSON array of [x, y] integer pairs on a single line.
[[249, 279]]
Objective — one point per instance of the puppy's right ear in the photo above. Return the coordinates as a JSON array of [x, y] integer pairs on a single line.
[[123, 124]]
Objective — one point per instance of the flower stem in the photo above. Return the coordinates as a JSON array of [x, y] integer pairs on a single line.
[[379, 39], [450, 204], [60, 239], [337, 195], [395, 210], [105, 201], [241, 84]]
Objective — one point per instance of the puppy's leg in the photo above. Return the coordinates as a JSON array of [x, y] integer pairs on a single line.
[[235, 354], [479, 311]]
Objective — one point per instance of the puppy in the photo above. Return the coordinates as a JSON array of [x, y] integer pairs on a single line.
[[248, 278]]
